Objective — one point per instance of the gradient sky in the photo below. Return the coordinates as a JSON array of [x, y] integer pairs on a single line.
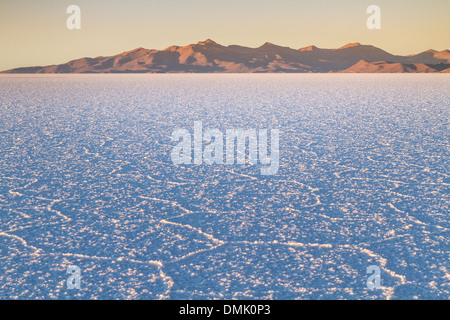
[[35, 33]]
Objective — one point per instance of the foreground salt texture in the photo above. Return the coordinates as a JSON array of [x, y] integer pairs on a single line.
[[87, 180]]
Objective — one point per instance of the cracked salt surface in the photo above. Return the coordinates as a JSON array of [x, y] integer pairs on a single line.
[[86, 180]]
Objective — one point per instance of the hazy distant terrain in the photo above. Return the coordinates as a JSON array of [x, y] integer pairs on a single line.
[[87, 180], [210, 57]]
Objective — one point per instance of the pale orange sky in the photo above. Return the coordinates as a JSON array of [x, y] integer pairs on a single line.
[[35, 33]]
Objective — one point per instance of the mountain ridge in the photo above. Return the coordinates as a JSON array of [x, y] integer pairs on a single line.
[[209, 56]]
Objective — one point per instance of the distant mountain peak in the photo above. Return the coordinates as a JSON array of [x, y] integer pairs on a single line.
[[392, 67], [136, 50], [272, 47], [268, 44], [308, 48], [207, 42], [351, 45]]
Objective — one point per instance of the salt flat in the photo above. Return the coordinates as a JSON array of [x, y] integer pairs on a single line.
[[87, 180]]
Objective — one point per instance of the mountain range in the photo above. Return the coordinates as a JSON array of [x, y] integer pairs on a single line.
[[210, 57]]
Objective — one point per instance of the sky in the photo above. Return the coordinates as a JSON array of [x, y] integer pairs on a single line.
[[34, 32]]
